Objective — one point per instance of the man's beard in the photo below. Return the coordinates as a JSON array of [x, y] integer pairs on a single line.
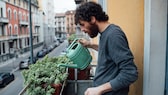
[[93, 30]]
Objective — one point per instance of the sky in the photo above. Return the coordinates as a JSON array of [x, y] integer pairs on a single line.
[[64, 5]]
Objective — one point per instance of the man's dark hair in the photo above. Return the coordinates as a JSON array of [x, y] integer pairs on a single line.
[[88, 9]]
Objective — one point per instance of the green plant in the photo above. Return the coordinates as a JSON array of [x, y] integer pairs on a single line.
[[71, 38], [44, 73]]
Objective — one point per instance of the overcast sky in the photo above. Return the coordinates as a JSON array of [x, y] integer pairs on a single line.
[[64, 5]]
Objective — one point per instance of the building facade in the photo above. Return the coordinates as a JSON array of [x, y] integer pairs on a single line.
[[70, 25], [60, 23], [3, 32], [15, 34], [64, 23], [48, 16]]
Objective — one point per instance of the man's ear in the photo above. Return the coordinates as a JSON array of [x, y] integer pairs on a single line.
[[93, 20]]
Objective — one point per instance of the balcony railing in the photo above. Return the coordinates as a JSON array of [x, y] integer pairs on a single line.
[[37, 24], [23, 22], [23, 36], [2, 38], [4, 20], [9, 37]]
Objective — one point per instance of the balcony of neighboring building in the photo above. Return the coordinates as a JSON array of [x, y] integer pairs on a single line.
[[23, 35], [23, 23], [14, 36], [2, 38], [36, 24], [8, 37], [4, 20], [35, 34]]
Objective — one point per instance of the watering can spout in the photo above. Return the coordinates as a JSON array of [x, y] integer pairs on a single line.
[[68, 65]]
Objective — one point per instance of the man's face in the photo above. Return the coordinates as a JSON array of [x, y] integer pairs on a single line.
[[91, 29]]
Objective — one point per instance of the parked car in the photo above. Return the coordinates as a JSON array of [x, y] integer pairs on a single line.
[[50, 48], [34, 59], [61, 40], [6, 78], [41, 53], [24, 64], [56, 43]]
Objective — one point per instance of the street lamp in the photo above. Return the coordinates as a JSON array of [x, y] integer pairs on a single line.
[[31, 42]]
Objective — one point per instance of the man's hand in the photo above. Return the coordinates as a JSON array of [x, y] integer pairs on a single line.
[[84, 42], [93, 91], [99, 90], [88, 44]]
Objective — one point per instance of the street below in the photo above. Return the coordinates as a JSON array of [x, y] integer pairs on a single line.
[[17, 85]]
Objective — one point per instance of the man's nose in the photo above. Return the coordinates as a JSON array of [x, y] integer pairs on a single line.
[[82, 29]]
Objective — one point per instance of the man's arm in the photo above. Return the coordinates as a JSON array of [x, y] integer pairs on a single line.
[[88, 44]]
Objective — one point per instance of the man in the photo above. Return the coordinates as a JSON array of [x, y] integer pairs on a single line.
[[115, 70]]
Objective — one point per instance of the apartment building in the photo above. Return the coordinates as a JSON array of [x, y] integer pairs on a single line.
[[14, 27], [64, 23], [60, 23], [3, 31], [70, 25], [48, 21]]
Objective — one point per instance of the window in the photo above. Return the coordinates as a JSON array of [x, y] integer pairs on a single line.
[[14, 2], [1, 12], [0, 47], [15, 15], [20, 16], [2, 32], [24, 17], [9, 14], [20, 30], [25, 30], [19, 2], [3, 46], [16, 31], [24, 4], [10, 30]]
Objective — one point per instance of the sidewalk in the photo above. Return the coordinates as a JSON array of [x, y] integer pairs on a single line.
[[20, 57]]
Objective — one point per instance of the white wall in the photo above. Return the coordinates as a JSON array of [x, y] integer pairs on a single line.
[[155, 47], [47, 8], [3, 5], [41, 30]]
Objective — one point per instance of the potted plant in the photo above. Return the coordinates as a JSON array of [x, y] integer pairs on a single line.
[[45, 77]]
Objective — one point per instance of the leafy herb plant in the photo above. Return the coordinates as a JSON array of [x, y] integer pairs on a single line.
[[41, 75]]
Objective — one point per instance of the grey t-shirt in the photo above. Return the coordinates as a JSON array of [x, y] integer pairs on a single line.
[[115, 61]]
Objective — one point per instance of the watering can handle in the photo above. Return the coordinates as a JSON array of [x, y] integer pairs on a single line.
[[74, 41], [87, 50]]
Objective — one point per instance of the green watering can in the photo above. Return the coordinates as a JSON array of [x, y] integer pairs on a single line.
[[79, 55]]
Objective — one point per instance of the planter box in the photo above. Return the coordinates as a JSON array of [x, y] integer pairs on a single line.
[[58, 88], [81, 74]]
